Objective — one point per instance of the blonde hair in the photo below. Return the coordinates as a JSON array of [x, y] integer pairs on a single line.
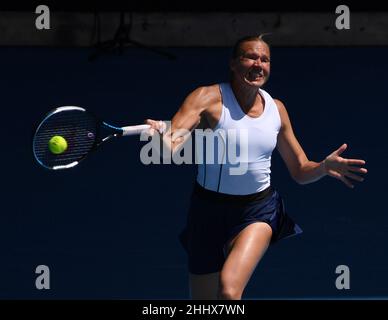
[[236, 51]]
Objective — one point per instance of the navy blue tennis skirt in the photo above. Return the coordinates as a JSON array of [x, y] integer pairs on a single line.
[[215, 218]]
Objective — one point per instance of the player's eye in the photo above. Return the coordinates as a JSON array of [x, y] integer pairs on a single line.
[[253, 58]]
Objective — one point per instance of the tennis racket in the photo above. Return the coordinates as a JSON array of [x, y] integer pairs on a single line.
[[81, 130]]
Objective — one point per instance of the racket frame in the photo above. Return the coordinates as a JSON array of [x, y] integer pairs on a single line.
[[114, 133]]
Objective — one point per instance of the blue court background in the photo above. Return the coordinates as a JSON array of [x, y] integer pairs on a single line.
[[108, 228]]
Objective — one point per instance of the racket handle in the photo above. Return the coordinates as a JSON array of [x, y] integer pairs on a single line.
[[134, 130]]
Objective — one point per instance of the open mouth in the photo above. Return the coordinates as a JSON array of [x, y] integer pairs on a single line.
[[255, 75]]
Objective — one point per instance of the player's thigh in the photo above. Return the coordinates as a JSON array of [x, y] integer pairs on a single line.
[[247, 249]]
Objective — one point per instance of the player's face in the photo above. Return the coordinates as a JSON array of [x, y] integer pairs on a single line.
[[252, 66]]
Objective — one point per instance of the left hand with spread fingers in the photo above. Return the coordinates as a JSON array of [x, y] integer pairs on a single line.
[[342, 168]]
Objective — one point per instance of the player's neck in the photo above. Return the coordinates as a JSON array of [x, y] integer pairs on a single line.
[[246, 96]]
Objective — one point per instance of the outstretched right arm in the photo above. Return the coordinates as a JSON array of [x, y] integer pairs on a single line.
[[192, 112]]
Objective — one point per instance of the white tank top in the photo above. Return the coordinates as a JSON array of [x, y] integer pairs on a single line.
[[242, 147]]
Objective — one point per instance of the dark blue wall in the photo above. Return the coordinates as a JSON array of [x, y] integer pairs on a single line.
[[108, 228]]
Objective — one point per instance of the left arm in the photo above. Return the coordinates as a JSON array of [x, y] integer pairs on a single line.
[[305, 171]]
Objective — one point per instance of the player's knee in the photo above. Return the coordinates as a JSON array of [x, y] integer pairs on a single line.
[[228, 292]]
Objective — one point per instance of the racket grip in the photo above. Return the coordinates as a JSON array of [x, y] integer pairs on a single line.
[[134, 130]]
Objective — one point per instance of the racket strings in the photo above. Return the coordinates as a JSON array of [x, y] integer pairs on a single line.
[[79, 130]]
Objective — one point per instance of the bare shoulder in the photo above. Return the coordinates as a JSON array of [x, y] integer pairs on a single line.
[[280, 105], [206, 101], [206, 95], [282, 112]]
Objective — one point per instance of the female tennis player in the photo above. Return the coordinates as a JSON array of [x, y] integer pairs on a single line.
[[233, 219]]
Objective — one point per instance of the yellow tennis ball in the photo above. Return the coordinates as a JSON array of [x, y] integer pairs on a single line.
[[57, 144]]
